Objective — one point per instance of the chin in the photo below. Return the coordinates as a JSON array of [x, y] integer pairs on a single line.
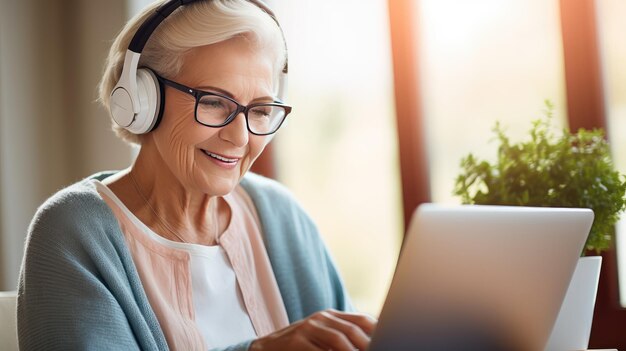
[[221, 187]]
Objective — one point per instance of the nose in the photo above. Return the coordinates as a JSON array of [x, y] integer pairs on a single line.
[[236, 132]]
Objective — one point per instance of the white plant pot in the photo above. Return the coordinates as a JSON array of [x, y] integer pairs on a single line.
[[573, 325]]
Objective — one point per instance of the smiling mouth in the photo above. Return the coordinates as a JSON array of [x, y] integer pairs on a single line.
[[220, 158]]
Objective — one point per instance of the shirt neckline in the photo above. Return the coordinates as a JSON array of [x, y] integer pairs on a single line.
[[191, 247]]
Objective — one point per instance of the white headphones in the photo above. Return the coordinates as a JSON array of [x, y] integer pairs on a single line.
[[137, 100]]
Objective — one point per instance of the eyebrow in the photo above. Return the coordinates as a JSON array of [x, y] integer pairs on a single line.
[[230, 95]]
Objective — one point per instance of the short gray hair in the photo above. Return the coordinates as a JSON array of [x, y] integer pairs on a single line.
[[198, 24]]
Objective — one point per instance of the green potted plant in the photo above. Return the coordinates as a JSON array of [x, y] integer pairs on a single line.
[[552, 169]]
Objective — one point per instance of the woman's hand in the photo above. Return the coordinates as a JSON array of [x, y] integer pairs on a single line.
[[325, 330]]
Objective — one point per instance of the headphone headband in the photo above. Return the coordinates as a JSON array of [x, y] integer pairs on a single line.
[[146, 29]]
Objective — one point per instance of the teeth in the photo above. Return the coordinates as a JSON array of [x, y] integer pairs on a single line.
[[223, 159]]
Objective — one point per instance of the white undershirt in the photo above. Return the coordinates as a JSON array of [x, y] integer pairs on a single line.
[[220, 313]]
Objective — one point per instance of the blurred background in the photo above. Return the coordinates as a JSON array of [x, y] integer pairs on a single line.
[[360, 73]]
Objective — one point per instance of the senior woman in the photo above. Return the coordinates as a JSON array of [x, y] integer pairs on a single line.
[[185, 249]]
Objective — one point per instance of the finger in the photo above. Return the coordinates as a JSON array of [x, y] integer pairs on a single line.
[[309, 345], [365, 322], [352, 331], [286, 340], [327, 338]]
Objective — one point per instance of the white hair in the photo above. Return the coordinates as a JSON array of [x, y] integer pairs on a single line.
[[190, 26]]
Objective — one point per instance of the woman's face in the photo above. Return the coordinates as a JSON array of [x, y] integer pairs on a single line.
[[192, 151]]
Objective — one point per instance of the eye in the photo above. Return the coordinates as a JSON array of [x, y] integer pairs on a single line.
[[261, 112], [210, 102]]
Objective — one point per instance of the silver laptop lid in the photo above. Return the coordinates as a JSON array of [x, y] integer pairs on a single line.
[[481, 278]]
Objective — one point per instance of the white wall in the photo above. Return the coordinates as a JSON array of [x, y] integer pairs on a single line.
[[52, 132]]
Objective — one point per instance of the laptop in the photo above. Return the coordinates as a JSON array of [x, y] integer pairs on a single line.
[[473, 277]]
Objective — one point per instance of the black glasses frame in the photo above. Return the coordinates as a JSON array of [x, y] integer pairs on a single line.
[[198, 94]]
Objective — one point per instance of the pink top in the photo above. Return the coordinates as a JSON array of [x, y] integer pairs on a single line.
[[165, 272]]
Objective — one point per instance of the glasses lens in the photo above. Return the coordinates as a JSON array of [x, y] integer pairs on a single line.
[[265, 119], [214, 110]]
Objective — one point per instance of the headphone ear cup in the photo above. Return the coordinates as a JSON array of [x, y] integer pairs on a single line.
[[149, 91], [160, 103]]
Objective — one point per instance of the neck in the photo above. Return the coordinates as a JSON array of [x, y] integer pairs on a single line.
[[171, 208]]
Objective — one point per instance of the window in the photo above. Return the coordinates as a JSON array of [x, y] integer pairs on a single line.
[[611, 29], [338, 151], [481, 62]]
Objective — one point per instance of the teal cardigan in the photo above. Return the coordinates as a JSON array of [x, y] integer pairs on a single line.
[[79, 289]]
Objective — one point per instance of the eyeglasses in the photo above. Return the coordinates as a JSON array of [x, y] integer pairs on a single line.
[[216, 110]]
